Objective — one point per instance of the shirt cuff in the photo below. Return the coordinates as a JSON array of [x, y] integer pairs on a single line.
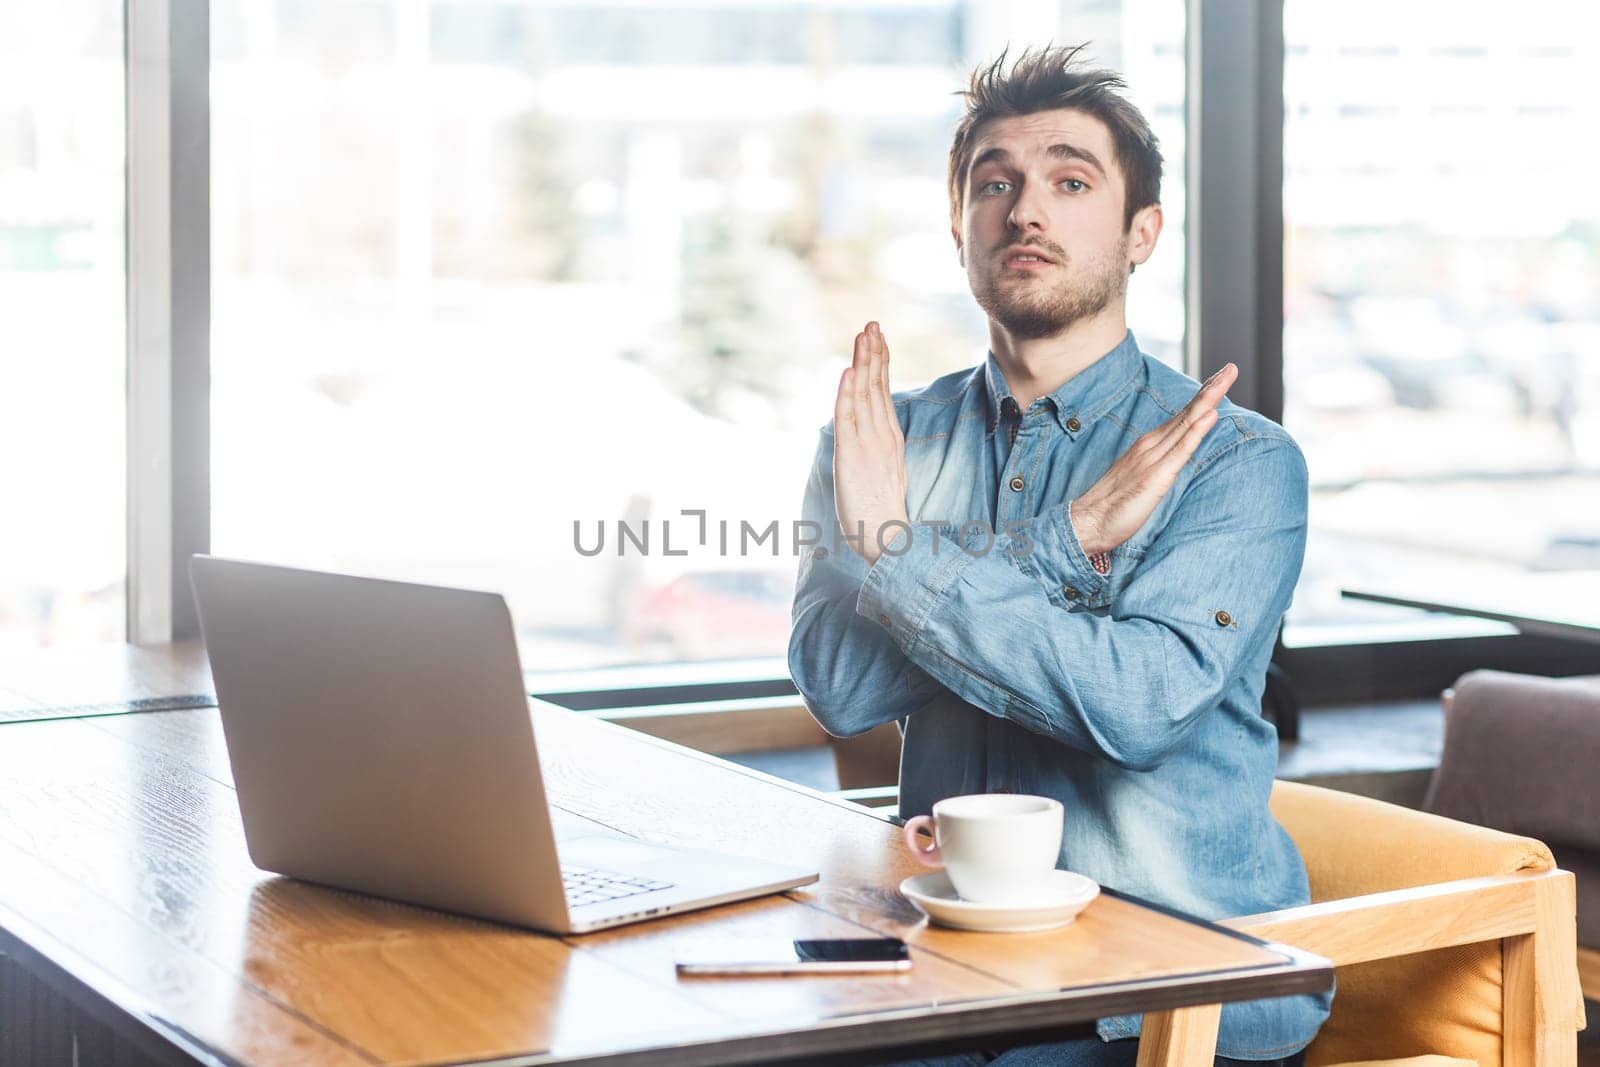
[[909, 578], [1063, 565]]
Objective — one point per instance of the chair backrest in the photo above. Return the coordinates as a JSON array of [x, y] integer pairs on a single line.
[[1448, 1001], [1520, 754]]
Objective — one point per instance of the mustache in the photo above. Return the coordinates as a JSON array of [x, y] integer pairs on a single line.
[[1045, 247]]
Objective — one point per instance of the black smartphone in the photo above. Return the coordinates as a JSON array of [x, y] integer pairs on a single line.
[[780, 956]]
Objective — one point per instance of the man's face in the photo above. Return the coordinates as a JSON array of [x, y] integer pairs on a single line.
[[1049, 184]]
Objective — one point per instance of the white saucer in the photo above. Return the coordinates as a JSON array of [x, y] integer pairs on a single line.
[[1067, 894]]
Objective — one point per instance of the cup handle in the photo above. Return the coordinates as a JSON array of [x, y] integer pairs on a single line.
[[928, 857]]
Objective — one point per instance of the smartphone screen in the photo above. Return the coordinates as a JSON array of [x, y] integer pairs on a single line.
[[778, 956]]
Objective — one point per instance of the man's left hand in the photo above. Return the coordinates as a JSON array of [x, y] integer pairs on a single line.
[[869, 451]]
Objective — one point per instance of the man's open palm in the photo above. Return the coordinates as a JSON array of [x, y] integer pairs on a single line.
[[1125, 496], [869, 451]]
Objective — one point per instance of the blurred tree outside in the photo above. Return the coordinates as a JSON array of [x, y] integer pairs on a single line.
[[550, 228]]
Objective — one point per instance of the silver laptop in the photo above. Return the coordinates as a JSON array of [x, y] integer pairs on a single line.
[[381, 740]]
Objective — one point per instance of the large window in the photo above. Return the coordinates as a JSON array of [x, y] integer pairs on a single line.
[[485, 271], [62, 554], [1442, 345]]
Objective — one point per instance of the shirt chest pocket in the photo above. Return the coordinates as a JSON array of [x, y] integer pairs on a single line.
[[1125, 563], [1128, 558]]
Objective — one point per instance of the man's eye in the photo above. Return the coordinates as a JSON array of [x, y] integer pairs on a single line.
[[987, 187], [1075, 185]]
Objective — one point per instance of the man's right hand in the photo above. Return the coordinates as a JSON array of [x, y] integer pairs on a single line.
[[1116, 506]]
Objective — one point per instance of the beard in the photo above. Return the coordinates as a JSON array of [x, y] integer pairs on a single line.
[[1029, 308]]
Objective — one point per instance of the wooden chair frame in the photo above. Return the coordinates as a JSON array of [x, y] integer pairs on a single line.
[[1531, 915]]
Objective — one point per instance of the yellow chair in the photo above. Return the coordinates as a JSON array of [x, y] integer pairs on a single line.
[[1454, 944]]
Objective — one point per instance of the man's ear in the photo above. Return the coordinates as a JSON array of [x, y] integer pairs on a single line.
[[1142, 234], [961, 252]]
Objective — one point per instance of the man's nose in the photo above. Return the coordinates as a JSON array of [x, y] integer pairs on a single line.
[[1026, 210]]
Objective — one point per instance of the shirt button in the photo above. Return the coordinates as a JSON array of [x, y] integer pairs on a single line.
[[1224, 619], [1016, 484], [821, 553], [1069, 592], [1074, 425], [883, 620]]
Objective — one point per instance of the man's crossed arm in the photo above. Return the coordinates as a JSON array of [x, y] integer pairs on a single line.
[[870, 634]]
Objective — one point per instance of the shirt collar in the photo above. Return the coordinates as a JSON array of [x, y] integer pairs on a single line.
[[1084, 397]]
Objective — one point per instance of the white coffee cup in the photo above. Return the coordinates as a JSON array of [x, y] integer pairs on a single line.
[[997, 848]]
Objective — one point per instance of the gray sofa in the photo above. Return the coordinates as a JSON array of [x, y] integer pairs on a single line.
[[1522, 754]]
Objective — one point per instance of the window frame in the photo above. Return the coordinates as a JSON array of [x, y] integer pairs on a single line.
[[167, 68], [1234, 312]]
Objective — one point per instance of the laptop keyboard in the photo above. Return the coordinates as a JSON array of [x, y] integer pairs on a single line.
[[590, 885]]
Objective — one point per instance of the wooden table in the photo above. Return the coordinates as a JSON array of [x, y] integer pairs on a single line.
[[125, 886], [1553, 604]]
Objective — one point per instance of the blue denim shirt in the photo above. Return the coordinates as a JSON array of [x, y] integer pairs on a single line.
[[1133, 697]]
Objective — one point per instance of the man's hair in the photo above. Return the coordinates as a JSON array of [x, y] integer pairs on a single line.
[[1043, 81]]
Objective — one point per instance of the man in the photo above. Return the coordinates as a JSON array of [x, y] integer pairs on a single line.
[[1102, 552]]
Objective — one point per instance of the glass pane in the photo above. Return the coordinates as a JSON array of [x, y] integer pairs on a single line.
[[1442, 352], [486, 272], [62, 361]]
